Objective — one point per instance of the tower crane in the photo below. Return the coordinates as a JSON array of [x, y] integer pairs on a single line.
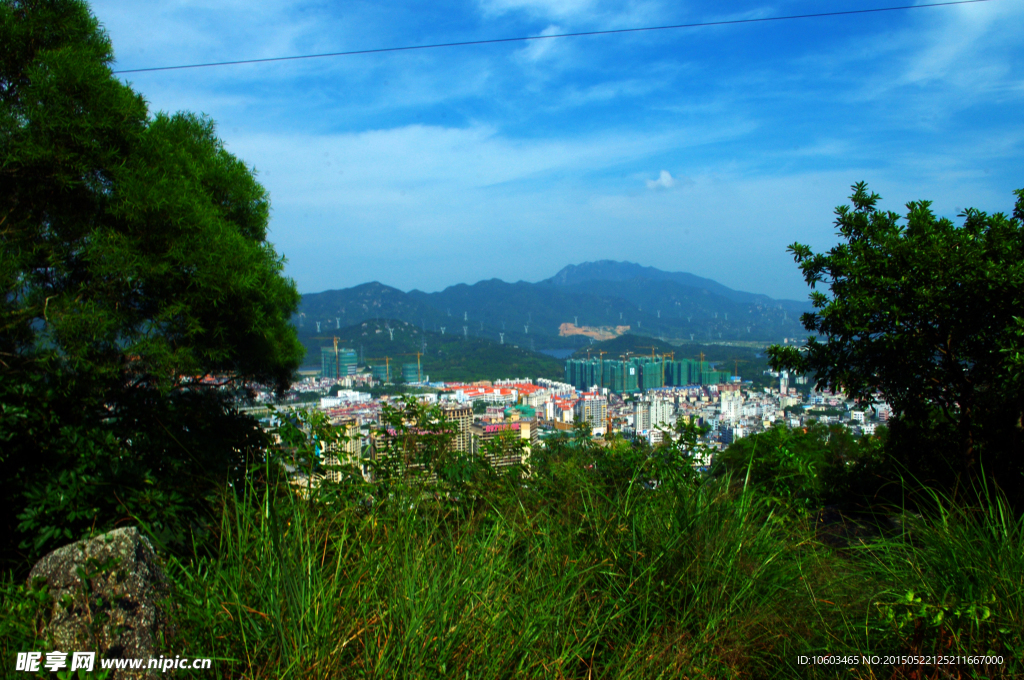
[[419, 371], [671, 356], [387, 366], [337, 362]]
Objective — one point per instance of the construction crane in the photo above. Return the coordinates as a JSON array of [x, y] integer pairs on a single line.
[[419, 371], [653, 357], [652, 348], [337, 363], [671, 356], [601, 354], [387, 366]]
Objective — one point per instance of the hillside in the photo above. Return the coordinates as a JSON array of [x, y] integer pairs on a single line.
[[603, 298], [337, 309], [610, 270], [444, 357]]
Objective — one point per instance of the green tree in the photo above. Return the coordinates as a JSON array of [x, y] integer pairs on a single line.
[[134, 262], [924, 312]]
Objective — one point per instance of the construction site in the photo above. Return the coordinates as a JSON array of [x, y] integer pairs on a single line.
[[631, 373]]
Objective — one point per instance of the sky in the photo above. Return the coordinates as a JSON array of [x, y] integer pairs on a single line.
[[706, 150]]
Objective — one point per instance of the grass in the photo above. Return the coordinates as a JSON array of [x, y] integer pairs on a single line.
[[572, 577], [571, 574]]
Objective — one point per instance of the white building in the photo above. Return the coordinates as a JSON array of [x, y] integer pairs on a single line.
[[649, 415], [732, 406], [593, 409], [344, 397]]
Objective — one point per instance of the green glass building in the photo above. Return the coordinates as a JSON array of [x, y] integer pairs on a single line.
[[337, 365], [640, 373]]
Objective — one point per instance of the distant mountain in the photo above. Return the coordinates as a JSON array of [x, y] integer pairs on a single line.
[[336, 309], [612, 271], [523, 311], [582, 303]]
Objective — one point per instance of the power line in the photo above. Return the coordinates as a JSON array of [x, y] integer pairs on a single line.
[[493, 41]]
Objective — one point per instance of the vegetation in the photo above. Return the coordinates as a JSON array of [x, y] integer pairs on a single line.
[[928, 315], [449, 357], [134, 260], [584, 568]]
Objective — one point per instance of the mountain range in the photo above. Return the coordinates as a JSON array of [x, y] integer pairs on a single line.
[[579, 305]]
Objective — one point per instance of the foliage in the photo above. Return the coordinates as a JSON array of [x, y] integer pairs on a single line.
[[926, 314], [802, 469], [449, 357], [134, 260], [575, 572]]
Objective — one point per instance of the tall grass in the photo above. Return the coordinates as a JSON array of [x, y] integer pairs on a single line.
[[570, 575], [953, 582], [568, 579]]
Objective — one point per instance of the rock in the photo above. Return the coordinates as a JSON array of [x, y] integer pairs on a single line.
[[117, 610]]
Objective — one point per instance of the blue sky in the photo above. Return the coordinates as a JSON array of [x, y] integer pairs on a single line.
[[705, 150]]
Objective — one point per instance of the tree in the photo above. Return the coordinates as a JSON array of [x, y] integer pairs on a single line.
[[924, 312], [134, 261]]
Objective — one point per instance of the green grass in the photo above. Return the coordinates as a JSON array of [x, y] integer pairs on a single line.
[[575, 574], [570, 578]]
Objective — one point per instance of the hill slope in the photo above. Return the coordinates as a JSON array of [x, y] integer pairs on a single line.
[[449, 357], [600, 299]]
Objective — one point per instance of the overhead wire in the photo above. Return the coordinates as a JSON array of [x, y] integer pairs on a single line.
[[493, 41]]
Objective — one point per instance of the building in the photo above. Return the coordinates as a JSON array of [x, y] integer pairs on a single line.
[[462, 416], [337, 363], [411, 373], [505, 444], [651, 414], [637, 374], [344, 397], [347, 452], [732, 406], [593, 409]]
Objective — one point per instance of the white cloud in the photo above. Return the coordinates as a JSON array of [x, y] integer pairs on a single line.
[[962, 42], [540, 8], [664, 181], [949, 58], [536, 50], [524, 153]]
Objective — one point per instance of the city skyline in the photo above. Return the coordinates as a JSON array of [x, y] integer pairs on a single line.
[[705, 150]]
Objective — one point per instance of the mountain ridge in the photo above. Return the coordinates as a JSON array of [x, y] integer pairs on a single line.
[[615, 270], [623, 296]]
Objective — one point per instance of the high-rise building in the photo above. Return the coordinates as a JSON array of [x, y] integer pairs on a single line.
[[410, 373], [347, 452], [505, 444], [732, 406], [337, 363], [593, 409], [649, 415], [462, 415]]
